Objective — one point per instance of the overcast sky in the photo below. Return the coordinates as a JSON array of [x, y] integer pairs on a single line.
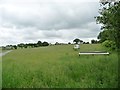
[[26, 21]]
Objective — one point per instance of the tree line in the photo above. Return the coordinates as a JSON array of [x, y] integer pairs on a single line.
[[110, 19], [32, 45], [41, 44], [29, 45]]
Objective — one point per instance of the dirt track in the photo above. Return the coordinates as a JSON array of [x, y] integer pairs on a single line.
[[4, 53]]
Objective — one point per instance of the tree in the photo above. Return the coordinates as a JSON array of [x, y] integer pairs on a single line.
[[45, 44], [106, 35], [85, 42], [94, 41], [77, 41], [39, 43], [15, 47], [31, 45], [25, 45], [110, 19], [110, 44], [69, 43], [56, 43], [21, 45]]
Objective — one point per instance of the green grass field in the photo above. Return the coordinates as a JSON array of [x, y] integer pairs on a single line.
[[0, 50], [0, 73], [59, 66]]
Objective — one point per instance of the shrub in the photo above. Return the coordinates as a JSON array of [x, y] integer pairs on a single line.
[[45, 44], [109, 44]]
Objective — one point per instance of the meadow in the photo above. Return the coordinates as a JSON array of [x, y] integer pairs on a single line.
[[0, 50], [59, 67], [0, 69]]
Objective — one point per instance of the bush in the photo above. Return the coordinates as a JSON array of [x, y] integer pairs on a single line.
[[109, 44], [45, 44]]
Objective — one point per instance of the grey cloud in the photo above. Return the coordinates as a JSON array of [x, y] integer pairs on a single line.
[[65, 16], [30, 22]]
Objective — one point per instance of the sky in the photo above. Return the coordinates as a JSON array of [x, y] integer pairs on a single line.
[[29, 21]]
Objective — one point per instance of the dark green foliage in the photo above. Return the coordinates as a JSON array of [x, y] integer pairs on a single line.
[[21, 45], [109, 44], [77, 40], [39, 43], [69, 43], [106, 35], [25, 46], [56, 43], [94, 41], [110, 18], [32, 45], [45, 44], [15, 47], [85, 42]]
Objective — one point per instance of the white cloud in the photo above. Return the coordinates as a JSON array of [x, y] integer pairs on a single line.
[[32, 20]]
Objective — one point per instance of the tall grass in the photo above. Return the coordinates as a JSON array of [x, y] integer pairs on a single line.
[[0, 72], [59, 66]]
